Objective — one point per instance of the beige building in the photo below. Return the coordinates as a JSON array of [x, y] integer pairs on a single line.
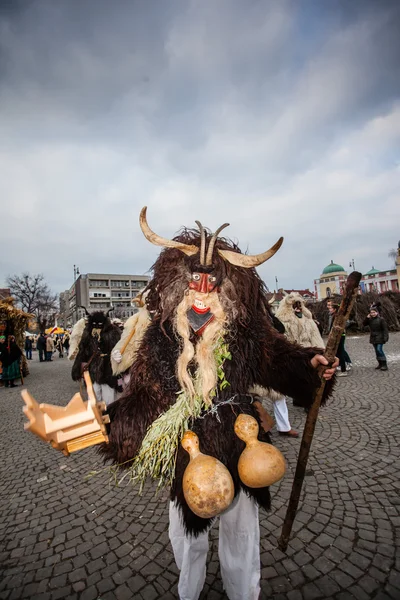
[[330, 281], [101, 291]]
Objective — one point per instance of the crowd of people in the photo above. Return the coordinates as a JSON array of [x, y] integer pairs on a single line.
[[292, 318], [47, 345], [10, 353]]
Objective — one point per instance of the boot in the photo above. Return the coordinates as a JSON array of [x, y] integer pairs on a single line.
[[379, 365], [384, 366]]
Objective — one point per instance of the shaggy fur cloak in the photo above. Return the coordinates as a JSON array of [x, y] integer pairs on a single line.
[[260, 356], [304, 331]]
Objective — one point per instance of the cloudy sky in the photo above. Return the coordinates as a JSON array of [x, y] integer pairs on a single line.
[[282, 118]]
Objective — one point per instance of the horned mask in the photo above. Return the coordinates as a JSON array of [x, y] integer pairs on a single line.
[[206, 254]]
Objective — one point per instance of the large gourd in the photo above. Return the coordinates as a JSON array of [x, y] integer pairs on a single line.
[[260, 464], [207, 484]]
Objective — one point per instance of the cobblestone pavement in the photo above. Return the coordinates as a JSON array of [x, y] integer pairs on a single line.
[[68, 537]]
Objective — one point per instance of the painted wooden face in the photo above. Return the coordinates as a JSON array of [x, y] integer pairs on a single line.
[[203, 283], [200, 314]]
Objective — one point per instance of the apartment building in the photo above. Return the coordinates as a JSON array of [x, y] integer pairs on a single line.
[[101, 291]]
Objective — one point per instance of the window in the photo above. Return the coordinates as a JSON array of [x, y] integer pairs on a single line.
[[328, 292], [98, 282]]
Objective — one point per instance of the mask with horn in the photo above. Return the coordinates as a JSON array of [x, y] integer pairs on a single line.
[[209, 258]]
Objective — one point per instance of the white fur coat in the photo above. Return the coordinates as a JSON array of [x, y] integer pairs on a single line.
[[75, 340], [137, 323], [304, 331]]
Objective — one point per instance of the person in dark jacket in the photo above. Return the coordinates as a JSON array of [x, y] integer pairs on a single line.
[[28, 348], [10, 355], [379, 335], [41, 347]]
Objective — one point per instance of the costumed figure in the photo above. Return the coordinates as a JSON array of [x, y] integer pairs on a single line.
[[92, 340], [10, 356], [210, 339], [13, 325], [298, 321]]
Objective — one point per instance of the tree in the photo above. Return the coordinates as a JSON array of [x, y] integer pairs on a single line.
[[34, 296], [393, 255]]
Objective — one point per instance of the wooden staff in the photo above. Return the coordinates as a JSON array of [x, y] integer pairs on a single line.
[[338, 328], [130, 336]]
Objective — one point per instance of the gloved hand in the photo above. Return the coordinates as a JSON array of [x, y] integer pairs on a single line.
[[116, 355]]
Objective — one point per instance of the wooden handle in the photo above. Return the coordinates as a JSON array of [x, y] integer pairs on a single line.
[[130, 336]]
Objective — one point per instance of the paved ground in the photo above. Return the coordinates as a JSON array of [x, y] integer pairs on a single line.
[[64, 536]]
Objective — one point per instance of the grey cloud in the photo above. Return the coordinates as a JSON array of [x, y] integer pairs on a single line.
[[220, 111]]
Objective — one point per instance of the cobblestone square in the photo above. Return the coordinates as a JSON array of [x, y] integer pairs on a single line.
[[67, 536]]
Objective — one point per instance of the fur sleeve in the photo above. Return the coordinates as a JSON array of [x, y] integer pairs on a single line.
[[316, 339], [286, 367], [86, 349]]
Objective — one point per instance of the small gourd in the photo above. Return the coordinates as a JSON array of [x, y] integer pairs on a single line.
[[260, 464], [207, 484]]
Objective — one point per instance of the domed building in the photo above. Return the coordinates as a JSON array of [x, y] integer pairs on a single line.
[[330, 282]]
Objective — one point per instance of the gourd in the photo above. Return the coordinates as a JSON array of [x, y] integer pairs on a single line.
[[207, 484], [260, 464]]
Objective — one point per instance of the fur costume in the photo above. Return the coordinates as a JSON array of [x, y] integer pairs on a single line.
[[138, 324], [99, 336], [304, 331], [172, 357]]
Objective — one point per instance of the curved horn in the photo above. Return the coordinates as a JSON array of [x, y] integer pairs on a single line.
[[248, 261], [203, 243], [109, 310], [211, 245], [271, 300], [157, 240]]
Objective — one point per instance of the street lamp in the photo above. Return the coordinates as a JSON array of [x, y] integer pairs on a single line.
[[76, 272]]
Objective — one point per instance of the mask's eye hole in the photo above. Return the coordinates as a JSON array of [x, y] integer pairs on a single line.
[[196, 277], [212, 279]]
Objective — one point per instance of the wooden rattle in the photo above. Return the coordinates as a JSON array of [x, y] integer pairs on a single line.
[[260, 464], [207, 484]]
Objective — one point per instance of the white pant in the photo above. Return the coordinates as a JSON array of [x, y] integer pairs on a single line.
[[104, 393], [239, 552], [281, 415]]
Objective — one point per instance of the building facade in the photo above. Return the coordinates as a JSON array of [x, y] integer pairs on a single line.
[[101, 291], [380, 281], [330, 282]]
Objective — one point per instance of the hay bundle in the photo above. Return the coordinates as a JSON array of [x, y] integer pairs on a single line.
[[390, 310]]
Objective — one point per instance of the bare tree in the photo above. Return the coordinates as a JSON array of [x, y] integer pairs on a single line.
[[393, 254], [33, 295]]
